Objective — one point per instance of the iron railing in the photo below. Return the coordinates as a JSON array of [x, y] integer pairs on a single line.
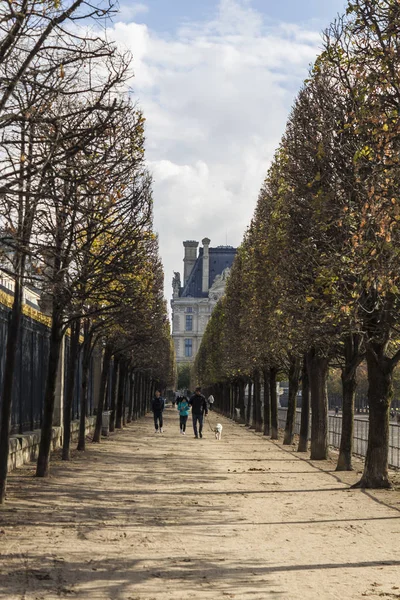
[[31, 372], [360, 435]]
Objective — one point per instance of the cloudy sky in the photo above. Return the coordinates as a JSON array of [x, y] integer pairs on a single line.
[[215, 79]]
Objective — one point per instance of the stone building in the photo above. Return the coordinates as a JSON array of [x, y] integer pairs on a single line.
[[193, 300]]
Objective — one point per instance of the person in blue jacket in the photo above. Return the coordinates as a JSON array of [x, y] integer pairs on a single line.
[[183, 408]]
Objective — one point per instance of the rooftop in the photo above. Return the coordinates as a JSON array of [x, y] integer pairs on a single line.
[[220, 258]]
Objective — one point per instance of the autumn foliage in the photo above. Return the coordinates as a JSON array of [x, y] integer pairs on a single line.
[[316, 281]]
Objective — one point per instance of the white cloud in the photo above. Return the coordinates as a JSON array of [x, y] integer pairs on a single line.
[[216, 96], [127, 12]]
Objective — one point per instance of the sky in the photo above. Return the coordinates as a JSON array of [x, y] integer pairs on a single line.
[[216, 80]]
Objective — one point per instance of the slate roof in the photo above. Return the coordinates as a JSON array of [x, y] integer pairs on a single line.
[[220, 258]]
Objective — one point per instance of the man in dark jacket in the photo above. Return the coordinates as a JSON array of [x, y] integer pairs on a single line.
[[157, 406], [199, 408]]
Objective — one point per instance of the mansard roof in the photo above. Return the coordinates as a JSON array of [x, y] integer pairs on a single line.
[[220, 258]]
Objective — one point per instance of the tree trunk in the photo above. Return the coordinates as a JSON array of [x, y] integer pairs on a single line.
[[13, 333], [114, 390], [143, 395], [305, 409], [102, 392], [318, 373], [380, 391], [349, 386], [248, 408], [267, 403], [87, 352], [130, 397], [241, 399], [274, 403], [56, 338], [149, 392], [70, 388], [257, 402], [294, 376], [121, 395], [125, 397], [136, 390]]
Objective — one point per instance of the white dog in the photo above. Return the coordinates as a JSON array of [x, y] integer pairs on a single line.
[[218, 431]]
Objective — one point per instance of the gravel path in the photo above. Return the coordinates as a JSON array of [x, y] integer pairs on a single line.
[[146, 517]]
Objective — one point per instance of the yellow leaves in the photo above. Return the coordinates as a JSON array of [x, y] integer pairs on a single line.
[[23, 158], [365, 152], [310, 299], [62, 72]]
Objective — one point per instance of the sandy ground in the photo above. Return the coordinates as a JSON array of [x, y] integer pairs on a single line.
[[145, 517]]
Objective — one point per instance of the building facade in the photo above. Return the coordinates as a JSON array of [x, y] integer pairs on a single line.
[[193, 300]]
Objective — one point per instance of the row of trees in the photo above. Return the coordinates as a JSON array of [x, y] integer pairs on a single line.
[[76, 205], [316, 281]]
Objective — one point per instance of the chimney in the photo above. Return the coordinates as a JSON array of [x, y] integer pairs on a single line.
[[206, 264], [189, 259]]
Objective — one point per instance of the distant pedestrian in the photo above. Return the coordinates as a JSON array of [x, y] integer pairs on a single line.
[[210, 401], [157, 406], [336, 411], [199, 409], [184, 409]]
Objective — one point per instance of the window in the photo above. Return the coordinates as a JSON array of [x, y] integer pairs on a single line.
[[189, 323], [189, 309], [188, 348]]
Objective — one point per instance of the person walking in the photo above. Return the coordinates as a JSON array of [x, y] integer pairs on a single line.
[[199, 409], [183, 408], [210, 401], [157, 406]]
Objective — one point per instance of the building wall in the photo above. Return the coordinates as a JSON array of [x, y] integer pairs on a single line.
[[200, 309], [203, 285], [29, 296]]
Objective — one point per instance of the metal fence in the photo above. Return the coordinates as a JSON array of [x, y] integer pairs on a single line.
[[360, 435], [31, 372]]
